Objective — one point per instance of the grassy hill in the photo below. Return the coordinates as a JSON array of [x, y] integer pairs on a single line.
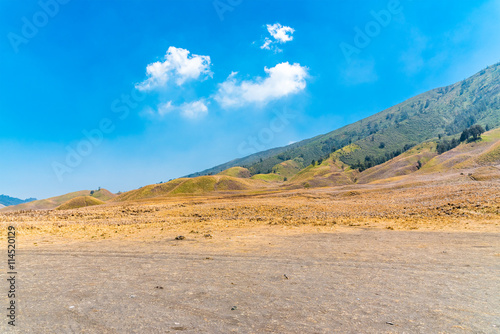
[[79, 202], [485, 152], [236, 172], [54, 202], [404, 164], [193, 186], [329, 172], [442, 111], [102, 194]]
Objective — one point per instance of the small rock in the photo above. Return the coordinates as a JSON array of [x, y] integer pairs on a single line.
[[71, 307], [159, 287], [389, 323], [233, 308], [132, 296], [180, 237], [285, 276], [208, 235]]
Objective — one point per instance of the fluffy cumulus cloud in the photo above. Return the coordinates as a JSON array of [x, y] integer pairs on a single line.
[[190, 110], [179, 66], [280, 34], [282, 80]]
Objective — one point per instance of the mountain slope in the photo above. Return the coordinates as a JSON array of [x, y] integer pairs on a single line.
[[441, 111], [480, 158], [404, 164], [471, 155]]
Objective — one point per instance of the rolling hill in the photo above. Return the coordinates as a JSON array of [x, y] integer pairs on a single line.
[[195, 186], [54, 202], [79, 202]]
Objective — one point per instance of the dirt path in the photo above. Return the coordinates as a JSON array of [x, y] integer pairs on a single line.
[[348, 281]]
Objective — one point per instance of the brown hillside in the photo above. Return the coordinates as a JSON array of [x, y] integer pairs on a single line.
[[79, 202]]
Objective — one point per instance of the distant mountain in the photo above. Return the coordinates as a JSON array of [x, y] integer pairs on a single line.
[[8, 201], [441, 112]]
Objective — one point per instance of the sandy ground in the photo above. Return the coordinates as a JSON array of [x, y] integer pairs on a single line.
[[349, 280]]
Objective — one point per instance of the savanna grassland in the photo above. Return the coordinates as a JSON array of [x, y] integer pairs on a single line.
[[454, 202]]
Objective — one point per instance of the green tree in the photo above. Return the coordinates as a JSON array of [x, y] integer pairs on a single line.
[[465, 135], [476, 131]]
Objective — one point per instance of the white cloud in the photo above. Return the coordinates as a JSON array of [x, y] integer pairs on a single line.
[[194, 110], [267, 43], [280, 34], [165, 108], [191, 110], [179, 65], [282, 80]]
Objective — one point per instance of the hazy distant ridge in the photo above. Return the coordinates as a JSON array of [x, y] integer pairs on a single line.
[[8, 201]]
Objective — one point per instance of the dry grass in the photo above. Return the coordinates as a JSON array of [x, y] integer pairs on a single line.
[[457, 203]]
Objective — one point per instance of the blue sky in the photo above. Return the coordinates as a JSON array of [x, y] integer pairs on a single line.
[[167, 88]]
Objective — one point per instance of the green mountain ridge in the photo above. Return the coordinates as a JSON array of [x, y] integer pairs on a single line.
[[444, 111], [478, 160]]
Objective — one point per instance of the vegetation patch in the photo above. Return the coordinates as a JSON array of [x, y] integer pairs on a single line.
[[268, 177]]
